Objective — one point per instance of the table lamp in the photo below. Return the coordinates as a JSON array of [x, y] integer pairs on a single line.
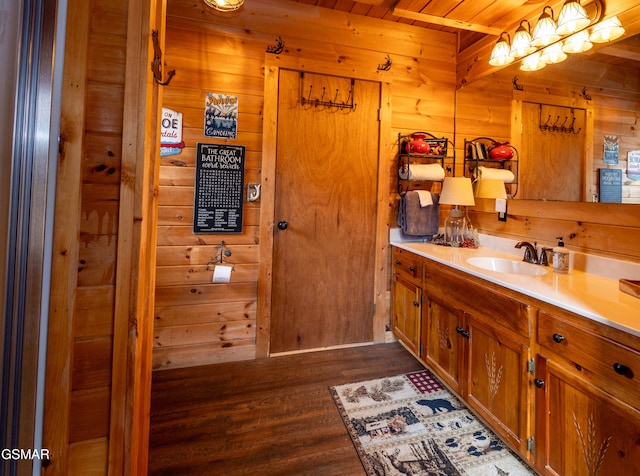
[[492, 188], [456, 191]]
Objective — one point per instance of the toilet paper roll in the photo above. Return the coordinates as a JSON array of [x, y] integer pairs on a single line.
[[222, 274]]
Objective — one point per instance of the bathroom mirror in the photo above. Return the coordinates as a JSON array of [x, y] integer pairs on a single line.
[[603, 82]]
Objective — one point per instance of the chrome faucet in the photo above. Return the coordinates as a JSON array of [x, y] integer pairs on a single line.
[[530, 253]]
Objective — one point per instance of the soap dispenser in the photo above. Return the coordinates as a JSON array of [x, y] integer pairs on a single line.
[[560, 257]]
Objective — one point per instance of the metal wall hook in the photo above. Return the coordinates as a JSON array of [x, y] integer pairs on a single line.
[[222, 254], [156, 64], [386, 66], [277, 48]]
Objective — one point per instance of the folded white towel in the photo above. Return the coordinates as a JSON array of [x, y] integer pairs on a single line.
[[425, 198], [492, 173], [431, 172]]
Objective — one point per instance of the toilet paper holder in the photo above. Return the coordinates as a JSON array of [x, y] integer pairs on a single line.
[[222, 254]]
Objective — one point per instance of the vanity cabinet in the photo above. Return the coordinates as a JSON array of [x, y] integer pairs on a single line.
[[563, 390], [588, 396], [407, 298], [477, 341]]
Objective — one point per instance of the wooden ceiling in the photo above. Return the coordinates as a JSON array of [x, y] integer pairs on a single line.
[[472, 20], [478, 24]]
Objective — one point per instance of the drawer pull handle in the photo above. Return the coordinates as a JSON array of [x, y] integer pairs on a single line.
[[398, 262], [462, 332], [416, 303], [412, 268], [558, 338], [538, 383], [621, 369]]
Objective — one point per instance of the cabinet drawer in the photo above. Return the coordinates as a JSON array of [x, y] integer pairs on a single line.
[[493, 305], [609, 365], [407, 265]]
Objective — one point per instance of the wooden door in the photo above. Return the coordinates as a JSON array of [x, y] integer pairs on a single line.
[[325, 213], [552, 161]]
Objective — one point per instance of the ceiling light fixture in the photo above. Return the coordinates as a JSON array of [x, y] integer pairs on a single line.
[[545, 32], [573, 17], [224, 5], [521, 45], [607, 30], [577, 29]]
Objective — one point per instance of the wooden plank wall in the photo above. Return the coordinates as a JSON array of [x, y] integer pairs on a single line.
[[484, 109], [98, 375], [80, 350], [198, 322]]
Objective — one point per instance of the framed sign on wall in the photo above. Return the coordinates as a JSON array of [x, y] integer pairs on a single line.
[[218, 200]]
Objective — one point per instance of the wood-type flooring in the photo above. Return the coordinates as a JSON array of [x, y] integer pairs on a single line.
[[272, 416]]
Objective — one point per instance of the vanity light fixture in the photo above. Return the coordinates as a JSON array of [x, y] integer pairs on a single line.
[[553, 54], [521, 45], [607, 30], [501, 54], [225, 6], [577, 29], [573, 17], [546, 31], [578, 43]]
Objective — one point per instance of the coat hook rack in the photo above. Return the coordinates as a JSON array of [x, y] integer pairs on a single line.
[[222, 254], [156, 64], [329, 103], [557, 126]]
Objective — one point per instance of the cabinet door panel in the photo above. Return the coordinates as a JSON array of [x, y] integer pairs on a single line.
[[498, 381], [406, 313], [583, 431], [444, 344]]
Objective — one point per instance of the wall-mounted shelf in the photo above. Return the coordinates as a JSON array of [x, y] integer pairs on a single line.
[[422, 149], [482, 160]]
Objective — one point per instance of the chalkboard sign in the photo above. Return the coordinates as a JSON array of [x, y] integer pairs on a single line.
[[219, 188], [611, 185]]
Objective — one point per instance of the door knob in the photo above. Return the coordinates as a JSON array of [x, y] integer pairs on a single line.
[[283, 225]]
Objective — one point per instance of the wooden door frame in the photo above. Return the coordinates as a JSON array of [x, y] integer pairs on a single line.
[[273, 64], [520, 97]]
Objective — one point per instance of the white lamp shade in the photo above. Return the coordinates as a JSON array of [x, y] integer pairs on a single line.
[[457, 191], [553, 54], [607, 30], [501, 53], [545, 31], [521, 45], [490, 188], [533, 62], [573, 17], [578, 43]]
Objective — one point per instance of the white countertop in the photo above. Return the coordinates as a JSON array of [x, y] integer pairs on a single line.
[[589, 295]]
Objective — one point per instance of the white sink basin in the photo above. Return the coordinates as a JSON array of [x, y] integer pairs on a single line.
[[503, 265]]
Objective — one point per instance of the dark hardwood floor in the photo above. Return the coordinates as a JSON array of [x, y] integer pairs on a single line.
[[263, 417]]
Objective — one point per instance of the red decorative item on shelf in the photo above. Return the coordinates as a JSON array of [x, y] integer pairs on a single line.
[[502, 151], [418, 145]]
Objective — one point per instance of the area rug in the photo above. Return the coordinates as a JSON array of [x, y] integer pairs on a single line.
[[412, 425]]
